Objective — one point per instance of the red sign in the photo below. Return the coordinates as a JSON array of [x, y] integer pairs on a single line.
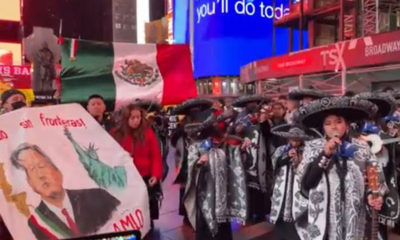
[[361, 52], [216, 84], [18, 77], [6, 57]]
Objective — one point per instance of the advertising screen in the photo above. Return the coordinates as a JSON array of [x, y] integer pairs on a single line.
[[10, 10], [180, 21], [231, 33], [15, 49]]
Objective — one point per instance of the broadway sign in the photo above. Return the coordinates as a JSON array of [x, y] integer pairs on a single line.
[[361, 52]]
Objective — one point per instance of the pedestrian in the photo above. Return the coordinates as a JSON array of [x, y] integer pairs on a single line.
[[96, 106], [12, 99], [135, 135]]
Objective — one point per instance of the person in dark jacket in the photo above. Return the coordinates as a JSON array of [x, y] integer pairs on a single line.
[[96, 107]]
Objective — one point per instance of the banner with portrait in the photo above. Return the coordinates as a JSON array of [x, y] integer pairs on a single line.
[[63, 176]]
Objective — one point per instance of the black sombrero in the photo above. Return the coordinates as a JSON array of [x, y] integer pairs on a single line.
[[227, 115], [384, 101], [192, 128], [198, 129], [185, 107], [396, 94], [299, 94], [290, 131], [244, 100], [353, 109], [148, 105]]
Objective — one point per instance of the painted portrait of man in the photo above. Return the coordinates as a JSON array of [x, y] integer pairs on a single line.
[[69, 213]]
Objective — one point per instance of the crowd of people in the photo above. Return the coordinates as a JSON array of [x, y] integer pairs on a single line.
[[316, 166]]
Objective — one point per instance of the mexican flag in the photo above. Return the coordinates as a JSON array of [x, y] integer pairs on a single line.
[[123, 72]]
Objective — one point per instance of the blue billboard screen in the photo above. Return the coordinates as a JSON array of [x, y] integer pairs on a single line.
[[181, 21], [231, 33]]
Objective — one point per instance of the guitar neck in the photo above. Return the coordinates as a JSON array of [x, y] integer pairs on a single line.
[[390, 140], [374, 225], [373, 184]]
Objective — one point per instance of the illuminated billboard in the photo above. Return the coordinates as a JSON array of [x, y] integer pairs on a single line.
[[231, 33], [15, 49], [10, 10]]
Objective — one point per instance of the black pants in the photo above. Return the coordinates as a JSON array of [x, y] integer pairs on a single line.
[[286, 231], [257, 205], [155, 195], [182, 209], [203, 232]]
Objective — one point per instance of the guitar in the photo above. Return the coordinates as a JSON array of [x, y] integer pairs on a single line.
[[376, 142], [373, 184]]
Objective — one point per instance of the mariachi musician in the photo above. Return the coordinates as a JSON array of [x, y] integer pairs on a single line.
[[285, 161], [333, 171], [255, 155], [395, 126], [386, 155], [195, 110], [216, 190]]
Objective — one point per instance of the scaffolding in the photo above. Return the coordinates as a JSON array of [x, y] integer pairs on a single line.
[[329, 21], [370, 17]]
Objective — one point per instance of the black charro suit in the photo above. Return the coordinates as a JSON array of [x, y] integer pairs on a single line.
[[92, 209]]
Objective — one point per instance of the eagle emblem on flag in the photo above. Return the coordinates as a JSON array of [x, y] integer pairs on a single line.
[[138, 73]]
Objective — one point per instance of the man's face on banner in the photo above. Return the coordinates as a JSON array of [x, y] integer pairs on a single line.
[[42, 176]]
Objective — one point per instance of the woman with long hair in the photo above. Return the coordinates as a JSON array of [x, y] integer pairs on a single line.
[[135, 135]]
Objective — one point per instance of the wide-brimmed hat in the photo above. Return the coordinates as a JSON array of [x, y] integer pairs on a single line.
[[290, 131], [384, 101], [148, 105], [244, 100], [227, 115], [353, 109], [191, 128], [300, 93], [396, 94], [198, 129], [185, 107]]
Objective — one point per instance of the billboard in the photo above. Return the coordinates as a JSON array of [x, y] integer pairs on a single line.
[[180, 21], [231, 33], [15, 49], [16, 77], [10, 10]]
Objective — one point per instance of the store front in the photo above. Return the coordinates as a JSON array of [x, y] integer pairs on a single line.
[[223, 87]]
